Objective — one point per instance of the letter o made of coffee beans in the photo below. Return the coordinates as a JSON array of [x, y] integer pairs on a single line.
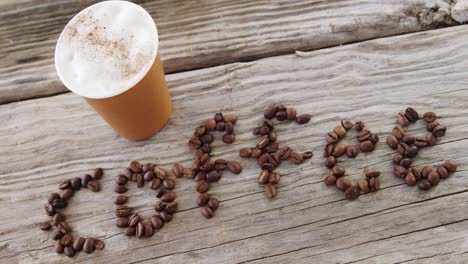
[[334, 150], [66, 243], [157, 178], [407, 147]]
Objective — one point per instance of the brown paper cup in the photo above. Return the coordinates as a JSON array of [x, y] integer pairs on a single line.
[[141, 111]]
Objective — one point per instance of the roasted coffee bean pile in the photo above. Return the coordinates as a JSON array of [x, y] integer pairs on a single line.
[[408, 147], [205, 171], [158, 180], [268, 152], [333, 150], [65, 242]]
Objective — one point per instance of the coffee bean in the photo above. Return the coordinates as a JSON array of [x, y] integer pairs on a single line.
[[416, 173], [195, 143], [439, 131], [200, 176], [431, 139], [207, 212], [430, 117], [402, 147], [64, 228], [399, 171], [207, 167], [374, 138], [127, 173], [392, 141], [57, 236], [272, 148], [156, 222], [130, 231], [263, 142], [202, 186], [155, 183], [272, 136], [75, 184], [140, 181], [291, 113], [58, 217], [165, 216], [65, 185], [256, 131], [160, 206], [50, 210], [398, 132], [149, 231], [330, 162], [402, 120], [430, 126], [220, 164], [332, 137], [202, 199], [340, 131], [264, 176], [264, 158], [123, 211], [450, 166], [412, 151], [204, 158], [149, 176], [206, 139], [148, 167], [352, 193], [274, 178], [160, 172], [410, 179], [121, 222], [281, 115], [425, 171], [140, 230], [411, 115], [210, 124], [303, 119], [135, 166], [94, 186], [59, 203], [213, 176], [99, 244], [374, 184], [169, 184], [270, 111], [406, 162], [359, 125], [168, 197], [119, 188], [367, 146], [433, 178], [424, 185], [284, 153], [178, 170], [171, 207], [264, 130], [213, 203], [296, 158], [307, 155], [69, 251], [67, 194], [347, 125], [268, 124], [234, 167], [58, 247], [228, 138], [134, 220], [373, 174], [220, 126], [363, 185], [267, 166], [420, 142], [160, 192], [66, 240], [330, 180], [230, 118], [78, 244], [245, 152], [338, 171], [397, 157], [351, 151], [121, 179], [339, 150], [45, 226], [52, 197], [199, 131], [343, 184], [363, 135], [408, 139], [270, 191]]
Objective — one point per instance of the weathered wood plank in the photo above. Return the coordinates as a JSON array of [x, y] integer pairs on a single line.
[[198, 34], [46, 140]]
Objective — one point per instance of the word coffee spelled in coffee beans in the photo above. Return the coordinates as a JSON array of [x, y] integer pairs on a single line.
[[65, 242]]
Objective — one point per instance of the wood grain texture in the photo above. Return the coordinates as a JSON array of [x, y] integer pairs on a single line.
[[199, 34], [46, 140]]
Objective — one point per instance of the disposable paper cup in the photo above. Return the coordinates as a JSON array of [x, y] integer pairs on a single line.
[[140, 105]]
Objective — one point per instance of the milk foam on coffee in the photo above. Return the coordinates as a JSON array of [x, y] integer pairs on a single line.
[[106, 49]]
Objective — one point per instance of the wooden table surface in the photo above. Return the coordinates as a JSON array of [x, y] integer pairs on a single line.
[[336, 59]]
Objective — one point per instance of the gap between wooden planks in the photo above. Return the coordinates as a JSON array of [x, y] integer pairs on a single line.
[[199, 34], [47, 140]]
